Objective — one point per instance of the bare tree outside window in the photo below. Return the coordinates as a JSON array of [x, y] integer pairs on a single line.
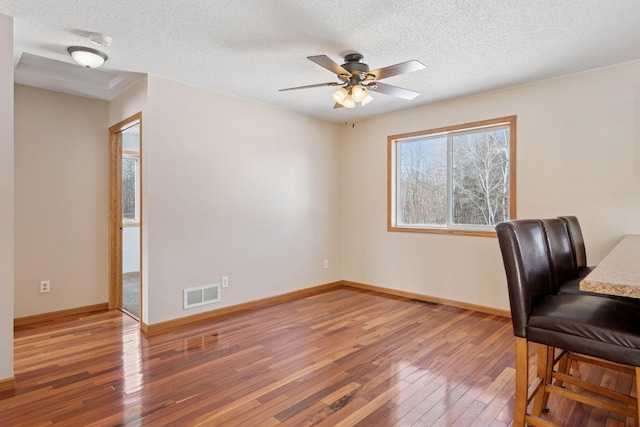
[[129, 189], [480, 163], [449, 179], [423, 182]]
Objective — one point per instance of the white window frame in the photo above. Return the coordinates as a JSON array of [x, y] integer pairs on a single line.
[[393, 184]]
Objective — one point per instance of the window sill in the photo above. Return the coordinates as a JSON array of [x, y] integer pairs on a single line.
[[458, 231]]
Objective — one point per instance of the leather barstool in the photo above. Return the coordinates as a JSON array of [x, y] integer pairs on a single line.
[[603, 329]]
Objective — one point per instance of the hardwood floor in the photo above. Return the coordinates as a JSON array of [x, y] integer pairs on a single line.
[[345, 357]]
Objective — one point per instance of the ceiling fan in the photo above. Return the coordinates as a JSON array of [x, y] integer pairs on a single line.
[[356, 79]]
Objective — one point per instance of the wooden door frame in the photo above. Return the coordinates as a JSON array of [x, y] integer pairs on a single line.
[[115, 210]]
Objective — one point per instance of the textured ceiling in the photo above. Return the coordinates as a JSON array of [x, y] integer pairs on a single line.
[[252, 48]]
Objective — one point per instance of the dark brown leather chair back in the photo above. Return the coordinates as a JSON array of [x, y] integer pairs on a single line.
[[577, 241], [525, 254], [563, 265]]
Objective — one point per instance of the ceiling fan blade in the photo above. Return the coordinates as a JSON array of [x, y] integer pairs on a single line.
[[310, 86], [329, 64], [337, 106], [394, 70], [398, 92]]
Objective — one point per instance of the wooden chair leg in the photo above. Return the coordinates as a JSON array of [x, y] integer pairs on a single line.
[[545, 366], [564, 365], [522, 382], [549, 376], [637, 379]]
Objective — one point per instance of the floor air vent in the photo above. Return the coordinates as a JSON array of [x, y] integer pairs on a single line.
[[426, 302], [194, 297]]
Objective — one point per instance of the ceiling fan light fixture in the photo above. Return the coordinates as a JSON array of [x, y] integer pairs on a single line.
[[87, 57], [340, 95], [358, 93], [349, 96]]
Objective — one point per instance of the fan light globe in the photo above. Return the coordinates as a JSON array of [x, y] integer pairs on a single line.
[[339, 95], [358, 93], [367, 99], [349, 102]]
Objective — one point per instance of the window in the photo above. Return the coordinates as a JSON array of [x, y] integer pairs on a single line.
[[130, 188], [458, 180]]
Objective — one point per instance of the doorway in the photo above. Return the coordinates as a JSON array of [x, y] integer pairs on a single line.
[[125, 216]]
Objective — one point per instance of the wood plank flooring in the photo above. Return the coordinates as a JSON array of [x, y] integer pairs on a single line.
[[341, 358]]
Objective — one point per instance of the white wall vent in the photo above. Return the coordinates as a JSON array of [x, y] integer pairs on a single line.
[[201, 295]]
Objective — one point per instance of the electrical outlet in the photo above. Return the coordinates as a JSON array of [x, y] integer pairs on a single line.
[[326, 263], [225, 281], [45, 286]]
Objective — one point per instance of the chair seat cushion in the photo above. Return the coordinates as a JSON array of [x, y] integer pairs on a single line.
[[601, 327]]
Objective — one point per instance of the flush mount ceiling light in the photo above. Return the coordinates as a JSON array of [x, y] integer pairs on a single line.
[[87, 57]]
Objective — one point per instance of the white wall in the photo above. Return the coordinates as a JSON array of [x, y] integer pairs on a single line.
[[236, 188], [61, 200], [6, 197], [132, 101], [578, 152]]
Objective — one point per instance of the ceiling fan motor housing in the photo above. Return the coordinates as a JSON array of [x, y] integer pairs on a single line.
[[353, 64]]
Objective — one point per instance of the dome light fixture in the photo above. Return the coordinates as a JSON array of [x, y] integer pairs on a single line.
[[87, 57]]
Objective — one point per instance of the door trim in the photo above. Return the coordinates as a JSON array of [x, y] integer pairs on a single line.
[[115, 210]]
